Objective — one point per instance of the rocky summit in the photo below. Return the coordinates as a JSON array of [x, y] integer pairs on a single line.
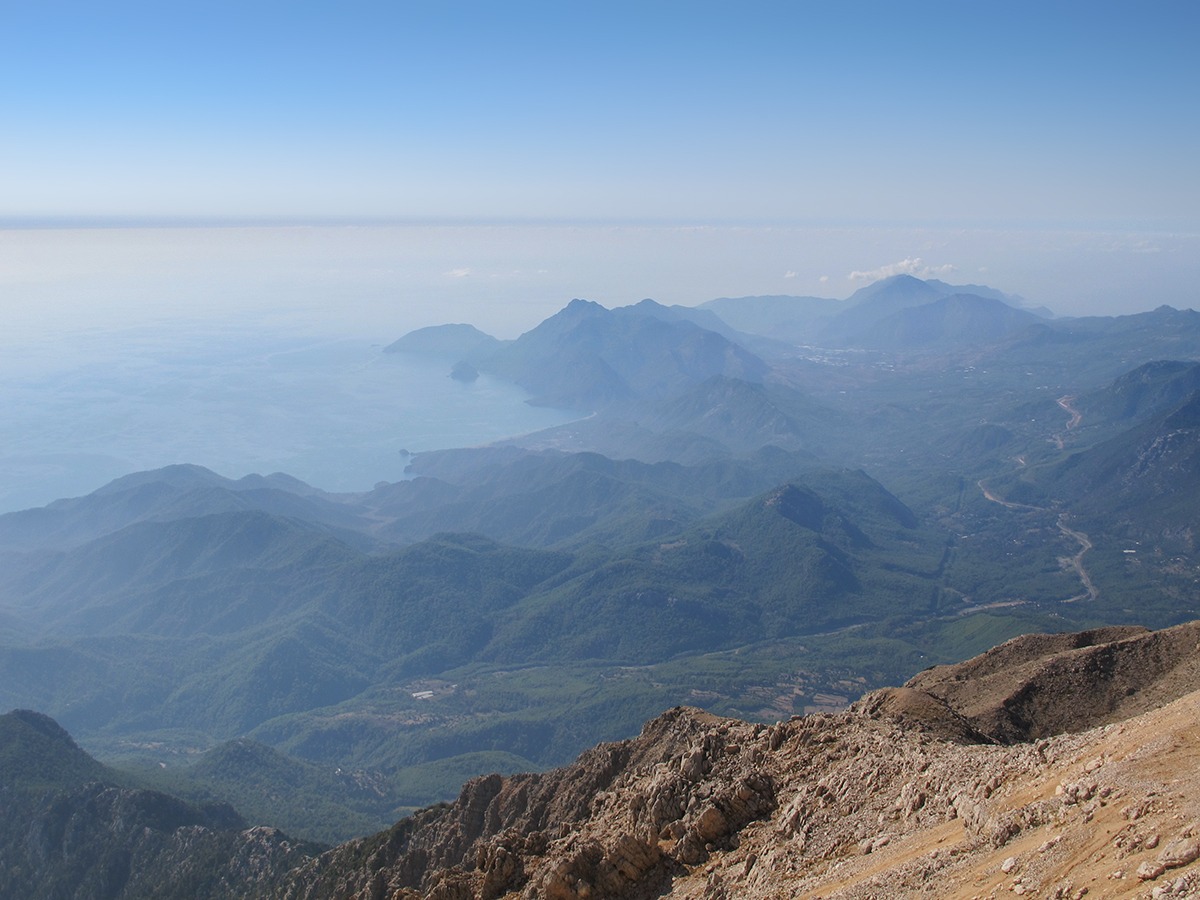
[[1054, 766]]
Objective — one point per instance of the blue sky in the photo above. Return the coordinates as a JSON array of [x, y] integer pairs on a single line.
[[954, 112], [178, 180]]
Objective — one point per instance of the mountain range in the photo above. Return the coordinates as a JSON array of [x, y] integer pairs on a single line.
[[833, 323], [761, 530], [587, 355]]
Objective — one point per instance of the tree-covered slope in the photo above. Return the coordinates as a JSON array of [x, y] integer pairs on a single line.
[[1136, 395], [304, 623], [799, 559], [554, 499], [71, 827], [160, 495], [1148, 476], [36, 754]]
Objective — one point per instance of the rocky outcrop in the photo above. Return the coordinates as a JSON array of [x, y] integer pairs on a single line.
[[480, 845], [929, 787], [856, 805], [932, 789]]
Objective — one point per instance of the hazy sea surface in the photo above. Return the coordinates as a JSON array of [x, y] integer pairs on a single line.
[[335, 413]]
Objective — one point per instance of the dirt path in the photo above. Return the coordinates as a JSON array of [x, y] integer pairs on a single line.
[[1076, 415], [1076, 418], [1084, 544], [990, 496], [1077, 561]]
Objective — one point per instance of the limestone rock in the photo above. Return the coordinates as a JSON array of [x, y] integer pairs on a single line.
[[1180, 853]]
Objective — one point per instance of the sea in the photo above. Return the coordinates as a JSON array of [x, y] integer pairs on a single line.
[[339, 414], [126, 346]]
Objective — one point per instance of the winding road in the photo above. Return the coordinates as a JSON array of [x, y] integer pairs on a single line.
[[990, 496], [1076, 415], [1077, 561], [1084, 543], [1076, 418]]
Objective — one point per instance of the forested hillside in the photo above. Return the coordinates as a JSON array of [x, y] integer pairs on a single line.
[[759, 535]]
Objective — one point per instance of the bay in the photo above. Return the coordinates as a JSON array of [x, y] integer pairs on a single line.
[[337, 413]]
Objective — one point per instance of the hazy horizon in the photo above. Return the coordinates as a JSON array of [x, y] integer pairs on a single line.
[[380, 281], [203, 181]]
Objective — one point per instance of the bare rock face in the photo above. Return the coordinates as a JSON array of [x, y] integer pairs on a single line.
[[679, 791], [928, 790]]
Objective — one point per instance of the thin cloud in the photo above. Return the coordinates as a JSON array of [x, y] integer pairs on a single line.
[[824, 277], [458, 273], [790, 274], [915, 267]]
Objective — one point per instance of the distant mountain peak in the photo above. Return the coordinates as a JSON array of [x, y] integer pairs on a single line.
[[442, 340], [587, 356], [901, 278], [951, 320], [894, 284], [982, 290], [875, 302], [589, 307], [186, 475]]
